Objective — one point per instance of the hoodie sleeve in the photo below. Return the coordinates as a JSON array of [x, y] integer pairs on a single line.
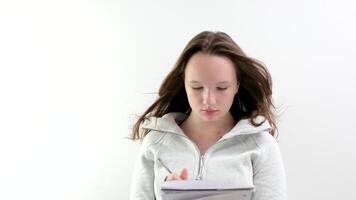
[[142, 182], [269, 175]]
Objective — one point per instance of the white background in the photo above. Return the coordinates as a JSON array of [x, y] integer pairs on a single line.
[[73, 75]]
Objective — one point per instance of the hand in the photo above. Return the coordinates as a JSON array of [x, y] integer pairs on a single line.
[[174, 176]]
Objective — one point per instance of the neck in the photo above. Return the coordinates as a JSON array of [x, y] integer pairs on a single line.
[[197, 126]]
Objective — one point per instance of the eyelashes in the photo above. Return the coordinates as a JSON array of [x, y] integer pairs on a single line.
[[200, 88]]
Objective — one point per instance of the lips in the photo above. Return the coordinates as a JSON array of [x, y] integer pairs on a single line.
[[209, 110]]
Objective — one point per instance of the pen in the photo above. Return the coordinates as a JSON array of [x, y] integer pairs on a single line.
[[160, 161]]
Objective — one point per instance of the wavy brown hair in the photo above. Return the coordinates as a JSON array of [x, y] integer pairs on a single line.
[[254, 97]]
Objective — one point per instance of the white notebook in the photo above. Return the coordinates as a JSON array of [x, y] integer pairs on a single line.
[[205, 190]]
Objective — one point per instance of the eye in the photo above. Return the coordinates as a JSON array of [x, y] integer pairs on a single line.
[[220, 88], [197, 88]]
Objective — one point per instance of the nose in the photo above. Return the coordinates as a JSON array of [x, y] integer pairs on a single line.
[[209, 98]]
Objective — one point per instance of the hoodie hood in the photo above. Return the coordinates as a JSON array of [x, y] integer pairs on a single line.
[[169, 123]]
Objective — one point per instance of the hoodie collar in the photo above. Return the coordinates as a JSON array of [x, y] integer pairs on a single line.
[[169, 123]]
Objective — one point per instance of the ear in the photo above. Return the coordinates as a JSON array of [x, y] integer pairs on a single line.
[[237, 87]]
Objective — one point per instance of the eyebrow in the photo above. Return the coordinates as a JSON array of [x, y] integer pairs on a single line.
[[199, 82]]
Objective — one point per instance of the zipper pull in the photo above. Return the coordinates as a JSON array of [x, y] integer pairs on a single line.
[[201, 166]]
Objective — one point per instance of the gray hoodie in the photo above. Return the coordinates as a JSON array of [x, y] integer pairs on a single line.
[[246, 154]]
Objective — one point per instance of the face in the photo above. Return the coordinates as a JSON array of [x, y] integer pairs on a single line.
[[211, 84]]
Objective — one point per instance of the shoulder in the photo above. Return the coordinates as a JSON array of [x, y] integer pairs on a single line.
[[150, 142], [268, 150], [152, 138], [263, 139], [266, 143]]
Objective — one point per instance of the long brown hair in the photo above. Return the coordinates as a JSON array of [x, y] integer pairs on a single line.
[[255, 91]]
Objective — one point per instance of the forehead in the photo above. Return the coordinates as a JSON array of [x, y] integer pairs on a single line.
[[210, 68]]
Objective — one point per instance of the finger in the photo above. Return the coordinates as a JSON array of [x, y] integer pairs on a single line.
[[169, 177], [172, 177], [176, 177], [184, 174]]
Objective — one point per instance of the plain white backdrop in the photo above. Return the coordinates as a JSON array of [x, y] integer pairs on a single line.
[[73, 75]]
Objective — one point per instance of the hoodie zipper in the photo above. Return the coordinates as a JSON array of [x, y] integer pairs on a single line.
[[202, 158], [201, 167]]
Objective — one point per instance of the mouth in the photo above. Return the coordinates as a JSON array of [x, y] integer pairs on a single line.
[[209, 111]]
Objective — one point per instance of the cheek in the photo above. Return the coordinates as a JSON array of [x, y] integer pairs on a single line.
[[193, 96], [228, 96]]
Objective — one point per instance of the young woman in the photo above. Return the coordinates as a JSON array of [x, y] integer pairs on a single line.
[[213, 120]]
